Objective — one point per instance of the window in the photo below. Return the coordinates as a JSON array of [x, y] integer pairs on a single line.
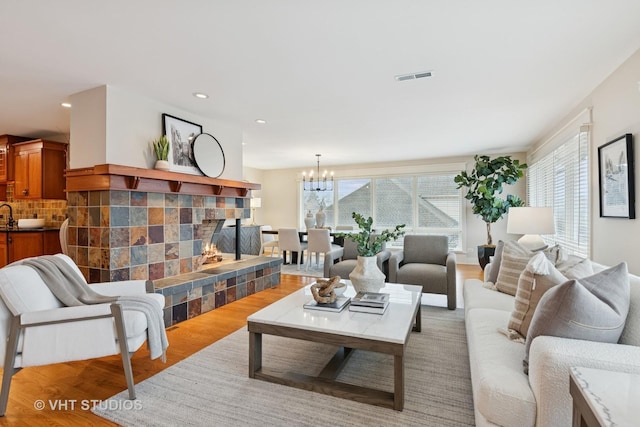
[[560, 179], [425, 203]]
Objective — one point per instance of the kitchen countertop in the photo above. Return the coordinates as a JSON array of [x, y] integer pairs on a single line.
[[24, 230]]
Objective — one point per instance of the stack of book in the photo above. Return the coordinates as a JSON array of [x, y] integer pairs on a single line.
[[337, 306], [369, 302]]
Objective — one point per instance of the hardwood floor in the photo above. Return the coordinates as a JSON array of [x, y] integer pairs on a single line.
[[67, 389]]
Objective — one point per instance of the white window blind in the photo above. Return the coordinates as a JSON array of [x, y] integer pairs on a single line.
[[560, 179], [425, 203]]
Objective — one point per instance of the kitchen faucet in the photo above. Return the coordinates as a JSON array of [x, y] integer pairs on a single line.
[[10, 220]]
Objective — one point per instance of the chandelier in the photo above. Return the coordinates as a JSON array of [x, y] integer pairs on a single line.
[[320, 183]]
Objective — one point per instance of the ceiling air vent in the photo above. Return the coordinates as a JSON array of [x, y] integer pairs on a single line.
[[413, 76]]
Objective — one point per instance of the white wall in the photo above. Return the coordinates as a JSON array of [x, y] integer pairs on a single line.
[[280, 199], [110, 125], [88, 128], [615, 111]]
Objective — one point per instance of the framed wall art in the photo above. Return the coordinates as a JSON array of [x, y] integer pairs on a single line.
[[615, 167], [181, 134]]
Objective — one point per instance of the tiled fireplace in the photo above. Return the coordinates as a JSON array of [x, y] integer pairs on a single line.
[[142, 224]]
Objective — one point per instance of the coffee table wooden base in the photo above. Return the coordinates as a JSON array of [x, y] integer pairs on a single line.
[[326, 382]]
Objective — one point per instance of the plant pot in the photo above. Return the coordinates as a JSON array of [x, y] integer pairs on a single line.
[[162, 165], [484, 252], [367, 277]]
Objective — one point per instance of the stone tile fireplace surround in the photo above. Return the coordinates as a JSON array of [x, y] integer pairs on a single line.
[[130, 223]]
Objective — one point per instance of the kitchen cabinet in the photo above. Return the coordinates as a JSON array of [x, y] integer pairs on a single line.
[[6, 155], [4, 257], [6, 161], [39, 169], [24, 244]]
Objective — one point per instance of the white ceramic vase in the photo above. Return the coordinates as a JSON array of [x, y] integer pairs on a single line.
[[309, 220], [162, 165], [367, 277], [321, 217]]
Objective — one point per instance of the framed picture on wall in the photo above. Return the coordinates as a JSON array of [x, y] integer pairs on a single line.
[[181, 134], [615, 166]]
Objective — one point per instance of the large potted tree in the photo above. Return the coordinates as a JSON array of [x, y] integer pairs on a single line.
[[484, 186]]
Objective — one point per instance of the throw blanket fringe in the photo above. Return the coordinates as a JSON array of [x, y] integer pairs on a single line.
[[71, 289]]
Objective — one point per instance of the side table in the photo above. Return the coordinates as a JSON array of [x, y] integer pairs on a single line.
[[604, 398]]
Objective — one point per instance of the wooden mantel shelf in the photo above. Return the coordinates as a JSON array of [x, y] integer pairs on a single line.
[[117, 177]]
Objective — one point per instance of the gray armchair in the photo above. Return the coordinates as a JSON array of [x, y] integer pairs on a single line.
[[425, 260], [342, 261]]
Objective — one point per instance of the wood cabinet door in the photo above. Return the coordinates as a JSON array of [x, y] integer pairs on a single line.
[[51, 242], [28, 174], [25, 244], [4, 254]]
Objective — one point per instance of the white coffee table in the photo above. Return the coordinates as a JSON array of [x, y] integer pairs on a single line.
[[387, 333]]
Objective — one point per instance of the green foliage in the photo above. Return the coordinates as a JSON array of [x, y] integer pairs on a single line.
[[161, 148], [485, 183], [368, 245]]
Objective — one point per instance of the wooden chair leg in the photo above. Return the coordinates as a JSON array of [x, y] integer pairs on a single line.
[[9, 362], [116, 310]]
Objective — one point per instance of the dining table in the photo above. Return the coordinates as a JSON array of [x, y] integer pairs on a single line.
[[337, 236]]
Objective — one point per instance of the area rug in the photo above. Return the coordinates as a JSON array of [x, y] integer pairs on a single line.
[[313, 271], [212, 387]]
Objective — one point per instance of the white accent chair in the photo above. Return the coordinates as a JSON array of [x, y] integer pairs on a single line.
[[64, 236], [289, 240], [267, 240], [36, 329], [319, 242]]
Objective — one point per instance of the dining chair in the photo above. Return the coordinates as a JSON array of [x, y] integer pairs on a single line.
[[289, 240], [267, 240], [319, 242]]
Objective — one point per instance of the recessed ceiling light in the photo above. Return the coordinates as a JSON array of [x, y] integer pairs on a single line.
[[66, 105], [261, 121], [200, 95]]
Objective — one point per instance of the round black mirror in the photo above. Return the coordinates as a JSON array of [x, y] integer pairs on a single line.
[[208, 154]]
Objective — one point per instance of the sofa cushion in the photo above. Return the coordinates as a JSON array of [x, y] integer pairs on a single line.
[[538, 277], [575, 267], [501, 391], [514, 260], [475, 295], [631, 332], [593, 308]]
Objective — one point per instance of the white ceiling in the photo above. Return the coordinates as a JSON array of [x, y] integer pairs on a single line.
[[321, 72]]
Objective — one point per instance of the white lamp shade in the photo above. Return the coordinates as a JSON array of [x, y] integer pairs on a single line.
[[530, 220], [256, 202]]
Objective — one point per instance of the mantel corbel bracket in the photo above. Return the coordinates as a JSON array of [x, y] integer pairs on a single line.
[[217, 190], [176, 186], [133, 182]]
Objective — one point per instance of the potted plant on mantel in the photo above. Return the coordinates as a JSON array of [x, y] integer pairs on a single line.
[[367, 276], [161, 150], [484, 185]]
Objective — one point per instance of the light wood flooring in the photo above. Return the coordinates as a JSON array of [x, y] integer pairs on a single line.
[[98, 379]]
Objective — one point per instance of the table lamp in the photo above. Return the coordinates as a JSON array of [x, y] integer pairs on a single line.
[[532, 222], [256, 202]]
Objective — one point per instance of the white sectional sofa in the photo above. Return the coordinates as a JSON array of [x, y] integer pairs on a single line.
[[503, 394]]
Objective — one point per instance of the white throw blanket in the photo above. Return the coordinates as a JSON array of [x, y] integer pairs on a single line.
[[72, 290]]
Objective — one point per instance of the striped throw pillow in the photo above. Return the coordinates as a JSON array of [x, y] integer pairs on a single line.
[[514, 260], [537, 278]]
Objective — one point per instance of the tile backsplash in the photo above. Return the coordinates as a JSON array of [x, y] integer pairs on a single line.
[[54, 212]]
